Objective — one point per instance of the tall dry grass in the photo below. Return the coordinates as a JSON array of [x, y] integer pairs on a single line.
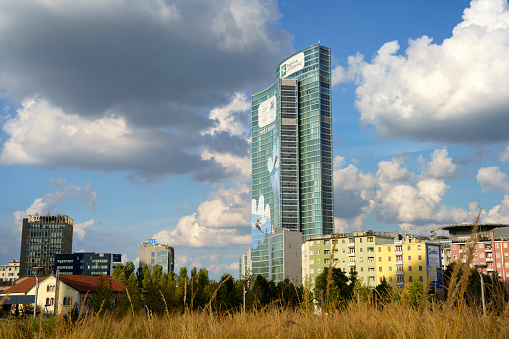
[[433, 320]]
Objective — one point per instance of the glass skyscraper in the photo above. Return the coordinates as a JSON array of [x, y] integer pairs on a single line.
[[42, 237], [292, 184]]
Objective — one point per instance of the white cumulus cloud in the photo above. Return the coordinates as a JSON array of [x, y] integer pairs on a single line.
[[453, 91]]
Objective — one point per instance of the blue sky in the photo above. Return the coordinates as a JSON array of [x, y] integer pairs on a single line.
[[133, 117]]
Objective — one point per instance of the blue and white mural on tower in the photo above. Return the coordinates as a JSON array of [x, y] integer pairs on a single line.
[[273, 168]]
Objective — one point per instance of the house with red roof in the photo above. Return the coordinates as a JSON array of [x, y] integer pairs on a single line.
[[58, 295]]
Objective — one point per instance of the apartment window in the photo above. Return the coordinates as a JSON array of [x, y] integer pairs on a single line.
[[325, 251], [312, 270], [362, 269], [420, 257], [505, 245], [408, 248], [409, 257], [370, 239], [311, 252], [152, 261], [343, 250], [379, 259], [409, 268], [420, 268], [454, 247], [360, 240], [318, 261], [496, 245], [343, 241], [379, 269], [481, 255], [317, 251], [310, 243], [326, 242], [379, 249], [419, 247], [481, 245], [420, 278], [455, 256], [312, 261], [153, 254], [410, 279], [390, 279], [390, 268], [361, 249], [389, 258], [388, 248], [319, 270], [326, 261]]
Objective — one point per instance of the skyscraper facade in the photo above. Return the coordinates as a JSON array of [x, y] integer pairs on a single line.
[[152, 253], [42, 237], [291, 157], [86, 263]]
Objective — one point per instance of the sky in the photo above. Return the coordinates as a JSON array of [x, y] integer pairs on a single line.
[[133, 117]]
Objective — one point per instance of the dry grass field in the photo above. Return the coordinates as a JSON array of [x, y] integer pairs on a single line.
[[394, 320]]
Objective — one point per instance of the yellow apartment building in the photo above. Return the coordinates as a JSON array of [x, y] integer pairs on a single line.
[[407, 261]]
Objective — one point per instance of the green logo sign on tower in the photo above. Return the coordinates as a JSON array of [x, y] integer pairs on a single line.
[[283, 70]]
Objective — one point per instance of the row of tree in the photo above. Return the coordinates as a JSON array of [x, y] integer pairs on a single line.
[[173, 292]]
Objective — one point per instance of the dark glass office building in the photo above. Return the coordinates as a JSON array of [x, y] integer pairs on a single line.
[[42, 237], [292, 185], [86, 263]]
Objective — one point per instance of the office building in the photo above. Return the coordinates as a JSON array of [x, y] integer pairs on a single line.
[[353, 252], [245, 265], [409, 260], [152, 253], [86, 263], [292, 184], [42, 237], [9, 273]]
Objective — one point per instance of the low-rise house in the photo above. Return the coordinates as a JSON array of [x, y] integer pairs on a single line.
[[62, 295]]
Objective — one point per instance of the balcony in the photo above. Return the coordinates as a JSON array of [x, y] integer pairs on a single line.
[[400, 283], [490, 259], [488, 248], [399, 262], [351, 263], [490, 269], [398, 252], [351, 254], [400, 273]]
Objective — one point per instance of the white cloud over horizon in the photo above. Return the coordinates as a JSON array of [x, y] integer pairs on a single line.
[[50, 202], [455, 91]]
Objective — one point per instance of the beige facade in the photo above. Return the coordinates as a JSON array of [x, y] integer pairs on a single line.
[[9, 273], [352, 252]]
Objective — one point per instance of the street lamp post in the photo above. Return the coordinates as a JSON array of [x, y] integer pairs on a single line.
[[243, 281], [36, 270], [358, 298], [145, 303], [481, 266]]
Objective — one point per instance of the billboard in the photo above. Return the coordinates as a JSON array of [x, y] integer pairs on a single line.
[[292, 65], [267, 112], [434, 265]]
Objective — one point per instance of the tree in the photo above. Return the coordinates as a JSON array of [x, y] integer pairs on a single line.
[[102, 299], [382, 293], [412, 294], [341, 287]]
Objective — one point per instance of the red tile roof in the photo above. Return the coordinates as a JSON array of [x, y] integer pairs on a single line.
[[88, 283], [22, 287]]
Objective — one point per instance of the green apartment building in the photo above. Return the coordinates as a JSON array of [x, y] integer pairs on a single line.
[[351, 252], [292, 186]]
